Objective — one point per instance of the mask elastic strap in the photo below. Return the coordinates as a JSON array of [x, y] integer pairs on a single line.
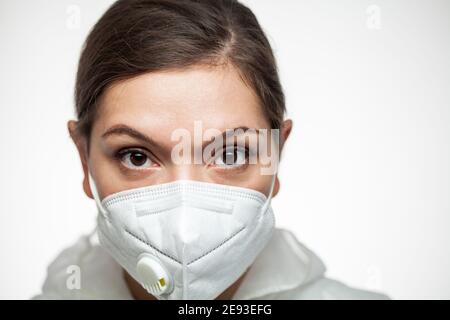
[[272, 184], [98, 202], [268, 200]]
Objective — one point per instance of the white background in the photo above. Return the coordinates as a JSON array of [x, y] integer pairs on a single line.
[[365, 176]]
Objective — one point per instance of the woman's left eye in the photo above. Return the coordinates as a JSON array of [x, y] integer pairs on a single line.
[[135, 159], [232, 157]]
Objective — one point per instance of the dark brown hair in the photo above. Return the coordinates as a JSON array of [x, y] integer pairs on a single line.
[[139, 36]]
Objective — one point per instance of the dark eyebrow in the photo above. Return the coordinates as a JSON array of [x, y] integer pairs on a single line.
[[242, 129], [121, 129]]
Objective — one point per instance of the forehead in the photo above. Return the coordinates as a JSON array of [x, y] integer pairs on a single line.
[[158, 103]]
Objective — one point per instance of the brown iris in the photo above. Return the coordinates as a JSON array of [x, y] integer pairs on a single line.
[[138, 159]]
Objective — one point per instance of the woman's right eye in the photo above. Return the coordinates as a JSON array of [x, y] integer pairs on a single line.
[[135, 159]]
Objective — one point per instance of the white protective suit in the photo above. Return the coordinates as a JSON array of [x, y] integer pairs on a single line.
[[285, 269]]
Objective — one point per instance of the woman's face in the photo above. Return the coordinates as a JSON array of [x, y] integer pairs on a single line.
[[139, 122]]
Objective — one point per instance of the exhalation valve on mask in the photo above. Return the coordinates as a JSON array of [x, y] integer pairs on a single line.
[[153, 276]]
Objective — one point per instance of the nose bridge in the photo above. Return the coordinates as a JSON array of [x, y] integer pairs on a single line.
[[187, 172]]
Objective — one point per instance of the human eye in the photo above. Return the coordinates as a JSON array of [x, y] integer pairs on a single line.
[[135, 159], [231, 157]]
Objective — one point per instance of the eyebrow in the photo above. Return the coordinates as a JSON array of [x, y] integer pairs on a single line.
[[122, 129], [225, 134]]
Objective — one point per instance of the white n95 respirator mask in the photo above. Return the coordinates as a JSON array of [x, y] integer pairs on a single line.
[[185, 239]]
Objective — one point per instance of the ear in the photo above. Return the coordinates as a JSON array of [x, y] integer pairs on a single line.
[[276, 187], [81, 144], [285, 131]]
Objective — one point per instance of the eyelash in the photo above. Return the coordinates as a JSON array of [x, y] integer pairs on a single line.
[[122, 153], [233, 148]]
